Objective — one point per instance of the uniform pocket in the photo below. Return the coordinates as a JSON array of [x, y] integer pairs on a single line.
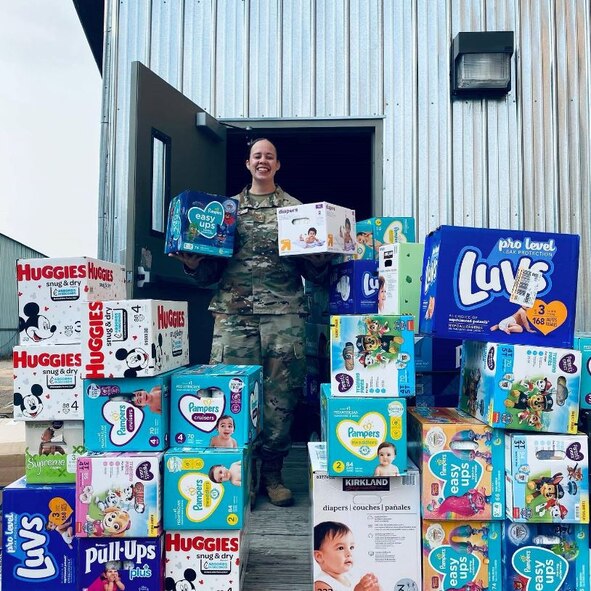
[[217, 352]]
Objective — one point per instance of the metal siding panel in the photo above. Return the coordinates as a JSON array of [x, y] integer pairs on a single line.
[[167, 41]]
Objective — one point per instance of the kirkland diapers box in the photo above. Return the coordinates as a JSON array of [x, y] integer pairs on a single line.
[[201, 223], [316, 227], [375, 520], [374, 232], [583, 344], [507, 286], [133, 338], [354, 288], [51, 292]]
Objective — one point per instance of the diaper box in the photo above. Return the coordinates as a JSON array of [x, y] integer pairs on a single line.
[[507, 286], [545, 556], [377, 520], [583, 344], [52, 451], [316, 227], [206, 488], [38, 545], [439, 385], [462, 555], [521, 387], [201, 223], [127, 414], [47, 383], [51, 292], [372, 355], [461, 462], [364, 436], [547, 478], [435, 355], [374, 232], [216, 405], [354, 288], [133, 338], [119, 495], [131, 565]]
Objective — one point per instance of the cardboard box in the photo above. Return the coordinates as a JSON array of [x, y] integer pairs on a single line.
[[435, 355], [374, 232], [201, 223], [316, 227], [51, 293], [504, 286], [354, 288], [439, 385], [12, 450], [583, 344]]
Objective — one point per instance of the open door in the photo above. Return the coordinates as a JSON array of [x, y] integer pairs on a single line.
[[168, 153]]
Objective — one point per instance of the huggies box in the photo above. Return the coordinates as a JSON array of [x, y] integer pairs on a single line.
[[372, 355], [354, 288], [38, 544], [51, 292], [505, 286], [47, 383], [583, 344], [216, 405], [376, 521], [316, 227], [201, 223], [521, 387], [374, 232], [133, 338], [52, 451]]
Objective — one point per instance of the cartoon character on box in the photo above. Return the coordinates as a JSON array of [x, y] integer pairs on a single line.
[[375, 347], [36, 326]]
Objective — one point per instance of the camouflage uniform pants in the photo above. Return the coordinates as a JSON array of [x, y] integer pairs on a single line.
[[277, 343]]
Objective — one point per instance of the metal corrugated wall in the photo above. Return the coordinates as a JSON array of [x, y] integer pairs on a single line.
[[518, 162]]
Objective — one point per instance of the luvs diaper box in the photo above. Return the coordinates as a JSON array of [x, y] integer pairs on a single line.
[[216, 405], [547, 478], [51, 293], [583, 344], [364, 436], [372, 523], [374, 232], [372, 355], [461, 462], [316, 227], [507, 286], [354, 288], [201, 223], [521, 387], [133, 338]]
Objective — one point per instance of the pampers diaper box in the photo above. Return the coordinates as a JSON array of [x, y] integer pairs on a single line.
[[354, 288], [377, 520], [133, 338], [216, 405], [51, 293], [583, 344], [372, 355], [47, 383], [316, 227], [119, 495], [508, 286], [461, 462], [38, 545], [547, 478], [127, 414], [364, 436], [201, 223], [207, 488], [456, 555], [374, 232], [521, 387]]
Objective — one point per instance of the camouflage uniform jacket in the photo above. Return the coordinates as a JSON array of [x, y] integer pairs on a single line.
[[256, 280]]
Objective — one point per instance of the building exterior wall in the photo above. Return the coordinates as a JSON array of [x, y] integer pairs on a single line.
[[519, 162]]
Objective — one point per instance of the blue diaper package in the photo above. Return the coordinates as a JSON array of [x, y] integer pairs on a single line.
[[508, 286], [437, 354], [354, 288]]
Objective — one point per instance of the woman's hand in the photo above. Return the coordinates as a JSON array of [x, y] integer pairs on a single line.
[[190, 260]]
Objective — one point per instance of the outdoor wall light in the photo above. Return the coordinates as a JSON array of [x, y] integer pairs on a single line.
[[481, 64]]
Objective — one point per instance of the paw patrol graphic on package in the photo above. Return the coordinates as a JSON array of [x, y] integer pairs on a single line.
[[374, 232], [133, 338], [547, 478], [201, 223], [38, 544], [118, 495], [216, 405], [127, 414], [464, 556], [462, 464], [120, 564], [507, 286], [354, 288], [372, 356], [316, 227], [583, 344], [549, 557], [52, 451], [376, 520], [364, 436], [521, 387], [51, 293]]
